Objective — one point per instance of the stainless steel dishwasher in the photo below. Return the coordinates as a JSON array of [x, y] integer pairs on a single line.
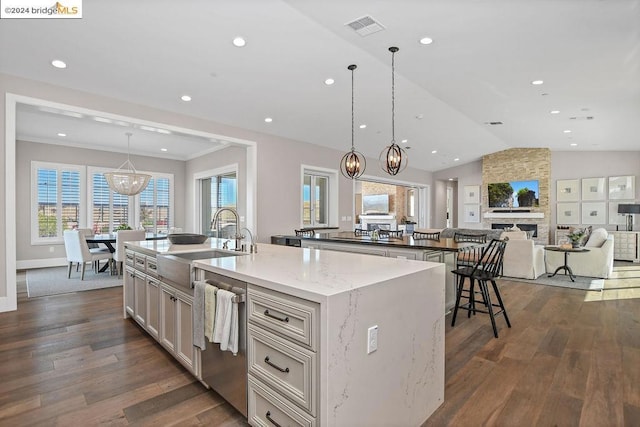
[[221, 370]]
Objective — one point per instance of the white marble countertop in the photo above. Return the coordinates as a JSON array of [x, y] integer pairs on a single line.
[[311, 273], [307, 273]]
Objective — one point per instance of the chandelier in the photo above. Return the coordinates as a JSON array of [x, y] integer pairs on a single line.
[[393, 158], [127, 181], [353, 163]]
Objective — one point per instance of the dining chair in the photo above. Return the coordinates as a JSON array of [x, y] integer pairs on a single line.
[[424, 235], [468, 256], [391, 233], [123, 236], [486, 270], [77, 249], [361, 232]]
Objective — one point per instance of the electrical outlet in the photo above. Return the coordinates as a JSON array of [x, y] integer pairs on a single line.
[[52, 249], [372, 339]]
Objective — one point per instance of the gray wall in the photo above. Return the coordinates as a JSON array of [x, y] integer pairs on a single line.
[[278, 160], [467, 174], [564, 165], [29, 151]]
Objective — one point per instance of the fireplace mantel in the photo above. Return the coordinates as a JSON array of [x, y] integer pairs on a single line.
[[532, 215]]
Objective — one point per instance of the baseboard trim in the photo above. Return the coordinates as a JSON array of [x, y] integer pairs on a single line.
[[40, 263]]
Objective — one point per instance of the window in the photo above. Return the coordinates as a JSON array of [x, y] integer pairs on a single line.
[[108, 208], [156, 211], [315, 199], [57, 202], [220, 191]]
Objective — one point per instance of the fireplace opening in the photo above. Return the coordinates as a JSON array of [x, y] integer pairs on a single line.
[[524, 227]]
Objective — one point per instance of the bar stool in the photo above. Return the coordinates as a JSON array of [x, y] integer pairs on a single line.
[[423, 235], [486, 270], [305, 233]]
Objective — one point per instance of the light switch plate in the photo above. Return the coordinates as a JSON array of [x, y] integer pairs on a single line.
[[372, 339]]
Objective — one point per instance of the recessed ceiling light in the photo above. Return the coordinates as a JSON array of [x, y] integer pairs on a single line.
[[434, 151], [573, 144], [62, 134], [554, 111], [58, 63], [164, 131], [566, 131], [456, 159], [404, 141], [426, 40], [329, 82], [163, 149], [268, 119], [185, 98], [363, 126], [450, 179], [239, 42], [537, 82], [420, 116], [102, 120]]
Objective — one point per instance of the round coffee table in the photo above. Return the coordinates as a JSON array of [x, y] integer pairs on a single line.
[[565, 267]]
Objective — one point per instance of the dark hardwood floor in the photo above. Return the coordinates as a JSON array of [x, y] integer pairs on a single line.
[[571, 358]]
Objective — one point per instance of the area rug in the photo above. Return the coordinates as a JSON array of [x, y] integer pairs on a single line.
[[560, 280], [53, 281]]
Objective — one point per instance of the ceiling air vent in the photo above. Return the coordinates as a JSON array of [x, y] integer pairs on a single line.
[[365, 26], [495, 123], [581, 118]]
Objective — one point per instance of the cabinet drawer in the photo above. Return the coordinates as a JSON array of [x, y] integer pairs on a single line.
[[294, 318], [140, 262], [287, 368], [151, 266], [130, 257], [267, 409]]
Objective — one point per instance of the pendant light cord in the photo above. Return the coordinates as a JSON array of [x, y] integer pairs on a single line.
[[393, 97], [352, 68]]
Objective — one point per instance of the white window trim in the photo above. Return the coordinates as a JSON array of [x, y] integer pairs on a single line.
[[197, 190], [35, 165], [332, 207], [172, 199]]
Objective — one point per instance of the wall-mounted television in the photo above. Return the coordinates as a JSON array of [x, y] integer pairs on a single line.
[[514, 194], [375, 204]]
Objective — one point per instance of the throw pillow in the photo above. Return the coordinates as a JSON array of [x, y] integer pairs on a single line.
[[583, 239], [597, 238]]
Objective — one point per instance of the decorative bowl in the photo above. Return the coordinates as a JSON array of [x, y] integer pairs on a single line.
[[186, 238]]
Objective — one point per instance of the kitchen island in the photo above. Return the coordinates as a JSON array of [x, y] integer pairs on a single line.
[[355, 340], [444, 250]]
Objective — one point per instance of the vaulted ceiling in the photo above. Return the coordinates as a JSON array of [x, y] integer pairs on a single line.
[[467, 94]]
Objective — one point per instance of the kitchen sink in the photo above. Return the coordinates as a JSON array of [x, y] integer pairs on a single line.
[[178, 269]]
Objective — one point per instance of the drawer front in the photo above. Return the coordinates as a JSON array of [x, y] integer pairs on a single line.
[[140, 262], [294, 318], [287, 368], [266, 409], [151, 266], [130, 257]]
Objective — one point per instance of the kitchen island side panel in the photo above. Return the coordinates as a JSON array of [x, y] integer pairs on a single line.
[[402, 382]]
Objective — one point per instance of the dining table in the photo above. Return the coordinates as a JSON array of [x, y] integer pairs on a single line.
[[109, 239]]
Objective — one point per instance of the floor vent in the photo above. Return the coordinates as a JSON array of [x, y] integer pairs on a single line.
[[365, 26]]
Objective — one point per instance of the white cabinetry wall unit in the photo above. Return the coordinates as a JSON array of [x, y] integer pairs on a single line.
[[626, 245], [162, 310], [282, 346]]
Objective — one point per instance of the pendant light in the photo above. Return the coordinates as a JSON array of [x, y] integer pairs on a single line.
[[127, 181], [353, 163], [393, 158]]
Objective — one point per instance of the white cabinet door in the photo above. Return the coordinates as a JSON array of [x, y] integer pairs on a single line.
[[153, 307], [185, 351], [140, 299], [129, 291], [167, 318]]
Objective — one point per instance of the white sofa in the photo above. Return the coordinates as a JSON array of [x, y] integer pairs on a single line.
[[598, 262], [523, 259]]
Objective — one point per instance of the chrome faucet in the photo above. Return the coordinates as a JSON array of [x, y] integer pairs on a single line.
[[215, 222], [253, 248]]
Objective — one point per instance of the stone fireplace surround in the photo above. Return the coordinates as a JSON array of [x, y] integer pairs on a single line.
[[520, 164]]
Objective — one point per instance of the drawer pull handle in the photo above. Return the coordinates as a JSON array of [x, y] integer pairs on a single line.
[[268, 415], [286, 319], [268, 362]]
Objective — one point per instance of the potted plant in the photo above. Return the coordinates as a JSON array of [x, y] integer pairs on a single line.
[[575, 236], [123, 227]]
